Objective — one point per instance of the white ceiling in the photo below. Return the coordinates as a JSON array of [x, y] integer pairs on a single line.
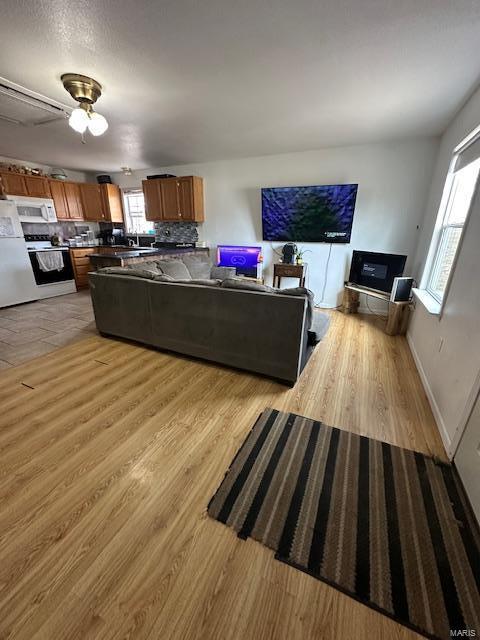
[[190, 80]]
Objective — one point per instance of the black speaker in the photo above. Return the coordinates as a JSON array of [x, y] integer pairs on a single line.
[[401, 290], [104, 179], [288, 253]]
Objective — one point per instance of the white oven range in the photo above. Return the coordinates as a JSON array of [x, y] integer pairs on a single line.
[[53, 280]]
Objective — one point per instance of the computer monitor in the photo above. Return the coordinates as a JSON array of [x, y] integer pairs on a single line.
[[246, 260]]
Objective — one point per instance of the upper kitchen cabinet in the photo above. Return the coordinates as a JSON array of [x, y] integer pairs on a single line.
[[153, 199], [190, 198], [57, 190], [170, 199], [101, 203], [74, 200], [37, 187], [92, 202], [17, 184], [112, 202], [174, 199], [66, 198], [14, 183]]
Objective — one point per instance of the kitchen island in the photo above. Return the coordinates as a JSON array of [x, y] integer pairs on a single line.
[[123, 257]]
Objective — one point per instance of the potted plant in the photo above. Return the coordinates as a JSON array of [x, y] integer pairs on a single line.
[[299, 255]]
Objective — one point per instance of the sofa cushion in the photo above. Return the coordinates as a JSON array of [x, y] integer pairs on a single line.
[[174, 268], [150, 265], [162, 277], [243, 283], [129, 271], [222, 273], [302, 292], [197, 267], [206, 282]]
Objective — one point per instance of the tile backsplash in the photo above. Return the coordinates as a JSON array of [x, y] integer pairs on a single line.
[[64, 230], [176, 232]]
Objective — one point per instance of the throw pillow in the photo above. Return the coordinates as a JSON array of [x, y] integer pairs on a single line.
[[174, 268], [243, 283], [222, 273], [198, 268]]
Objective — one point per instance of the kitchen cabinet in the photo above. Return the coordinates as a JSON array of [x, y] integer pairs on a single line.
[[153, 199], [74, 200], [187, 201], [92, 202], [112, 202], [14, 183], [101, 202], [66, 198], [80, 258], [169, 197], [57, 190], [17, 184], [37, 187], [174, 199]]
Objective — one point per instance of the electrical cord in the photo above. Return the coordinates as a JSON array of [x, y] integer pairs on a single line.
[[318, 306], [279, 253], [325, 276], [374, 313]]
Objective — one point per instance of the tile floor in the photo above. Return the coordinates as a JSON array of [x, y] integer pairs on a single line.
[[35, 328]]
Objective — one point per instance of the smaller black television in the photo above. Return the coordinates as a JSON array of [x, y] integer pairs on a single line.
[[376, 270]]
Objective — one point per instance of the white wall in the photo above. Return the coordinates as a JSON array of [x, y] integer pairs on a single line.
[[393, 180], [76, 176], [447, 350]]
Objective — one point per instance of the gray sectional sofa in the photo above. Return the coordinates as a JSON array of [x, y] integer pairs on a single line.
[[218, 318]]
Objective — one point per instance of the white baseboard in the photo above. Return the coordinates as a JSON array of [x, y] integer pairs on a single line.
[[324, 305], [447, 443]]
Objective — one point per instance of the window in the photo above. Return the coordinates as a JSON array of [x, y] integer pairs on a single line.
[[458, 194], [135, 220]]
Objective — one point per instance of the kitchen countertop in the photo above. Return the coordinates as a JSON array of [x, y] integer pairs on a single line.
[[138, 253], [102, 246]]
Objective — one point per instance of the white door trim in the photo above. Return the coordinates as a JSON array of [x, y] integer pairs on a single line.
[[464, 418]]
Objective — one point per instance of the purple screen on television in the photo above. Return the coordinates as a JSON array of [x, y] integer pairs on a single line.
[[232, 256]]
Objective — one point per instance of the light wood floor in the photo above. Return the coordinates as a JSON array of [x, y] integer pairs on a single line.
[[109, 454]]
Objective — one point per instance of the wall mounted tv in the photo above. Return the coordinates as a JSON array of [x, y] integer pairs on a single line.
[[322, 213], [376, 270]]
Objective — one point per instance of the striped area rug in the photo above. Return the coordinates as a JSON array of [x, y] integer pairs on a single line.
[[388, 526]]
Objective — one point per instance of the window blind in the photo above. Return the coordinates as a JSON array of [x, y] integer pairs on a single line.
[[468, 153]]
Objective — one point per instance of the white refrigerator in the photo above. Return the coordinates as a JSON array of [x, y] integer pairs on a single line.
[[17, 283]]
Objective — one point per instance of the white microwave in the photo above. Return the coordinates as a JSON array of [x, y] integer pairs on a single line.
[[34, 209]]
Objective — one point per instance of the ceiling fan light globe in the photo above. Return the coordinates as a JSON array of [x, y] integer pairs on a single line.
[[78, 120], [97, 124]]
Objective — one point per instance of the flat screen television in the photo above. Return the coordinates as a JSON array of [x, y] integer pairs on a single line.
[[376, 270], [244, 259], [322, 213]]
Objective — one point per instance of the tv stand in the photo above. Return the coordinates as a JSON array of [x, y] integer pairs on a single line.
[[398, 312]]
